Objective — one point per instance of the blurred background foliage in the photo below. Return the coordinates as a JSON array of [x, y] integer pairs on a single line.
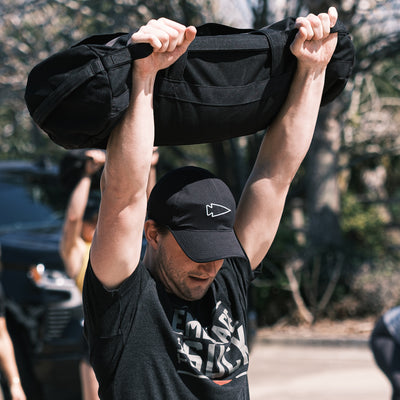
[[336, 253]]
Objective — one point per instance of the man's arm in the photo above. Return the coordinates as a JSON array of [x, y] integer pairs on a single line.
[[116, 247], [72, 247], [287, 140], [8, 364]]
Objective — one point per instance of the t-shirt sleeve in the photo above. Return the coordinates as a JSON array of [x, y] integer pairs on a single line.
[[108, 316], [242, 273], [236, 275], [105, 309]]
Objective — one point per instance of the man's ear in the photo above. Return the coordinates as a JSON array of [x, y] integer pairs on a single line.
[[151, 233]]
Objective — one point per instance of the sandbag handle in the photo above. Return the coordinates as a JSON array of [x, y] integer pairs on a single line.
[[277, 43], [117, 58], [280, 43], [219, 43], [279, 37]]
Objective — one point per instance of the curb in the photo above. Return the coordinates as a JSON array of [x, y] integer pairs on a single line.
[[312, 341]]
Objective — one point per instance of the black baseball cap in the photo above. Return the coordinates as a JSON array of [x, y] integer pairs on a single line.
[[199, 211]]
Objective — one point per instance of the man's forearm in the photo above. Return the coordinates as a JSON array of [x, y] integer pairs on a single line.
[[79, 198], [289, 137], [73, 222]]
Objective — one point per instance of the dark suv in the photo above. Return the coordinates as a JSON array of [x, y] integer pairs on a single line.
[[44, 309]]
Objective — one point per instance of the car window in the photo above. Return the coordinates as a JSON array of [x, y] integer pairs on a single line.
[[29, 200]]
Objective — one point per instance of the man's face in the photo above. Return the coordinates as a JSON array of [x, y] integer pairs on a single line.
[[179, 274]]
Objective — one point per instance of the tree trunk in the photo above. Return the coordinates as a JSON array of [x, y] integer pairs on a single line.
[[323, 195]]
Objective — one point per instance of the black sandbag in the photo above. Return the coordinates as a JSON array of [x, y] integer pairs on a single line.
[[230, 82]]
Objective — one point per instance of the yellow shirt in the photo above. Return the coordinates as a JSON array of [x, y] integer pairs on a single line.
[[81, 276]]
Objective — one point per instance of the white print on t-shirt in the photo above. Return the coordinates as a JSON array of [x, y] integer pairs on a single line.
[[214, 353]]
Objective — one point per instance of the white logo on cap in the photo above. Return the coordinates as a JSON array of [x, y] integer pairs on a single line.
[[216, 210]]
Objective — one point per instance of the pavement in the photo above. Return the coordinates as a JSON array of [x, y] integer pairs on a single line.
[[288, 367]]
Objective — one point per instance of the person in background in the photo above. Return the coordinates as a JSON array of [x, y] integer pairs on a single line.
[[173, 325], [79, 226], [8, 364], [80, 219], [385, 345]]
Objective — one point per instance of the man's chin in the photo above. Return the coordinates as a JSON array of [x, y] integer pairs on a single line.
[[196, 293]]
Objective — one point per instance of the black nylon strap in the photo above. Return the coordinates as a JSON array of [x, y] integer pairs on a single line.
[[238, 42], [277, 41], [81, 75], [117, 58], [246, 41]]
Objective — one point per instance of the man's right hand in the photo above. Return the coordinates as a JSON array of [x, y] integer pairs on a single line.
[[169, 40]]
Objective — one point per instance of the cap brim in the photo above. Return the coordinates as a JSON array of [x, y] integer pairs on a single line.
[[205, 246]]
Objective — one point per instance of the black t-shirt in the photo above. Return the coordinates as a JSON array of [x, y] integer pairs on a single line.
[[148, 344]]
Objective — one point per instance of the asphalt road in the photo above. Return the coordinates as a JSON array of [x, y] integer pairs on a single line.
[[280, 371]]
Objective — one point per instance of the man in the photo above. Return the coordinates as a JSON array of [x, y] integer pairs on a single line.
[[173, 326], [8, 364]]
